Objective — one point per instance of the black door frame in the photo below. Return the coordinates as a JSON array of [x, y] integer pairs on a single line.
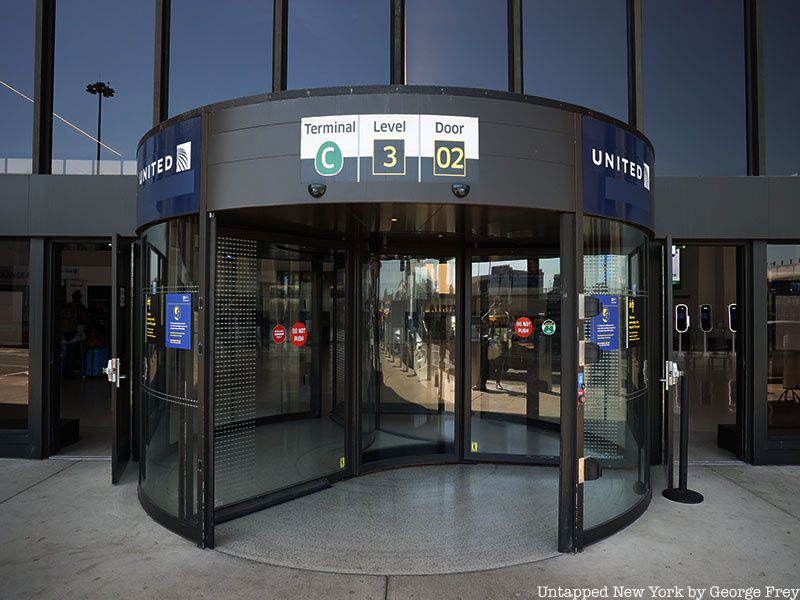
[[477, 251], [744, 342]]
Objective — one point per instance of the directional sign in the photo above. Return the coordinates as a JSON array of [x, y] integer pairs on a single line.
[[389, 147]]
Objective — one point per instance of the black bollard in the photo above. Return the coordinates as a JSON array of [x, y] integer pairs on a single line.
[[682, 493]]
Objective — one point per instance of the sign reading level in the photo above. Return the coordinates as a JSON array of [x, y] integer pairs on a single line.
[[178, 318], [389, 147]]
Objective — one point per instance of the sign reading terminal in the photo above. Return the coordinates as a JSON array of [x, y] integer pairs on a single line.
[[389, 147]]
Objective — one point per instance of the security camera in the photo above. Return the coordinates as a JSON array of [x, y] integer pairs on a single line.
[[460, 190], [317, 190]]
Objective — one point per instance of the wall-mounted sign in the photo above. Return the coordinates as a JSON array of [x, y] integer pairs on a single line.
[[152, 313], [168, 170], [389, 147], [178, 321], [523, 327], [299, 334], [548, 327], [279, 334], [617, 173], [605, 326], [634, 322]]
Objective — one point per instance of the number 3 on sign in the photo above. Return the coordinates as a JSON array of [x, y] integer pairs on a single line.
[[449, 159], [389, 157]]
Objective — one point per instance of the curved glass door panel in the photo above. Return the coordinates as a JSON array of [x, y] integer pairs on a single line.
[[515, 357], [408, 357]]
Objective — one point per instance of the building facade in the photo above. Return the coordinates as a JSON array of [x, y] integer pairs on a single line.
[[309, 240]]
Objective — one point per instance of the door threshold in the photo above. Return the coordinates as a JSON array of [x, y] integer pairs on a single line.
[[68, 457]]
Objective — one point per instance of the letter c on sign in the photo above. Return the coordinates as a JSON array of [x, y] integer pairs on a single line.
[[325, 162]]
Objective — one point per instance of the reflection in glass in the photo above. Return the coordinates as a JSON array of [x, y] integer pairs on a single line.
[[457, 43], [783, 340], [218, 53], [408, 357], [781, 47], [694, 104], [111, 43], [17, 30], [576, 51], [14, 324], [169, 375], [320, 56], [279, 393], [615, 408], [515, 356]]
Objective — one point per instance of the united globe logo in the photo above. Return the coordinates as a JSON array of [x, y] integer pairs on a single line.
[[183, 157]]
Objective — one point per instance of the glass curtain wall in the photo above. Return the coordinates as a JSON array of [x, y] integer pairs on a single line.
[[279, 367], [319, 55], [515, 356], [616, 386], [457, 43], [111, 43], [783, 340], [218, 52], [14, 324], [170, 367], [589, 40], [408, 357], [17, 28]]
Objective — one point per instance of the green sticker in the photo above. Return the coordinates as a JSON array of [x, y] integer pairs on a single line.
[[329, 159], [549, 327]]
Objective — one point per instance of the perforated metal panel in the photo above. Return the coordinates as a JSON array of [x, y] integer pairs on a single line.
[[234, 369]]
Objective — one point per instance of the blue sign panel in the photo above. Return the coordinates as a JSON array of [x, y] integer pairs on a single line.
[[605, 326], [168, 168], [178, 318], [617, 173]]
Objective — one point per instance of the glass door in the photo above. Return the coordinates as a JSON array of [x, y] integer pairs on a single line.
[[514, 364], [408, 361]]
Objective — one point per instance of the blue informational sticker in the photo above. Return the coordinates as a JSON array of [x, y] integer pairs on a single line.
[[178, 318], [605, 326]]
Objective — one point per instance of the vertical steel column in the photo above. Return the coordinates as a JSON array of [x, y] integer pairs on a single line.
[[37, 349], [755, 326], [398, 43], [205, 396], [635, 88], [754, 85], [43, 87], [161, 61], [354, 362], [568, 482], [280, 32], [515, 58]]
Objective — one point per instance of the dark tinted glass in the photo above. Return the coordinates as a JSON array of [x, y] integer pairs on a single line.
[[781, 46], [14, 298], [694, 105], [280, 394], [169, 374], [577, 51], [457, 43], [218, 52], [17, 32], [783, 340], [338, 43], [110, 42]]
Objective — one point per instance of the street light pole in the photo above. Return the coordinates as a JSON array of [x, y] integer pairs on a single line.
[[100, 89]]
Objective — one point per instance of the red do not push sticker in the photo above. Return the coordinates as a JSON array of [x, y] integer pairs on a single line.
[[523, 327], [279, 334], [298, 334]]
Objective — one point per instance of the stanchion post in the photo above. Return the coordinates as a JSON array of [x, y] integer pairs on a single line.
[[682, 493]]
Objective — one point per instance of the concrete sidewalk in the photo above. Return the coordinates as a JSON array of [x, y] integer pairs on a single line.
[[66, 532]]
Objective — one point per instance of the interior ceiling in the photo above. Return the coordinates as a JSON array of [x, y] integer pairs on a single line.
[[401, 220]]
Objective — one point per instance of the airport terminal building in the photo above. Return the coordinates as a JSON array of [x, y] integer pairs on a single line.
[[265, 249]]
